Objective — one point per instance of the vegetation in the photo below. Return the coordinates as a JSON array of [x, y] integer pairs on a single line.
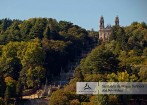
[[35, 49], [121, 59]]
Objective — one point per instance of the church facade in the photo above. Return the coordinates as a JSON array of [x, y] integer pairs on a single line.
[[105, 32]]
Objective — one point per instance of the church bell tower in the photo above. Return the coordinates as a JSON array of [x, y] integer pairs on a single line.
[[101, 22], [117, 21]]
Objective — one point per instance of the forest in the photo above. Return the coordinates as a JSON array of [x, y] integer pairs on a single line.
[[35, 49], [121, 59]]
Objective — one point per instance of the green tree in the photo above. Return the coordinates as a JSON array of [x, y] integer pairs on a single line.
[[13, 33], [5, 23], [25, 28], [1, 101], [75, 102], [122, 77], [19, 89], [57, 99], [100, 60], [11, 85], [46, 33], [32, 58], [32, 53], [64, 26], [2, 85], [99, 100], [7, 95], [143, 74], [9, 62], [38, 28], [34, 76]]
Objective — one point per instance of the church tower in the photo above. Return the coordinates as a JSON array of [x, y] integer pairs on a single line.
[[102, 29], [117, 21], [101, 22], [104, 32]]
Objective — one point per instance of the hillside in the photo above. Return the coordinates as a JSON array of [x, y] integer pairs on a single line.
[[122, 59], [38, 49], [34, 50]]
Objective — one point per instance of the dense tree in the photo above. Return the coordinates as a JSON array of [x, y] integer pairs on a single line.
[[75, 102], [34, 49], [118, 34], [121, 77], [11, 84], [10, 89], [38, 28], [19, 89], [7, 95], [99, 100], [1, 101], [127, 48], [9, 62], [25, 29], [13, 32], [64, 26], [2, 85], [4, 24], [57, 99], [46, 33], [100, 60], [143, 73]]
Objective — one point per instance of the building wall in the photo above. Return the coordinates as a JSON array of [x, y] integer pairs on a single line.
[[104, 34]]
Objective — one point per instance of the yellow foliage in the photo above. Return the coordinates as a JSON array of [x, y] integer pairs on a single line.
[[75, 102], [10, 81], [113, 99], [123, 76]]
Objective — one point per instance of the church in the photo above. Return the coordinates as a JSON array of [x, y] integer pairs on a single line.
[[105, 32]]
